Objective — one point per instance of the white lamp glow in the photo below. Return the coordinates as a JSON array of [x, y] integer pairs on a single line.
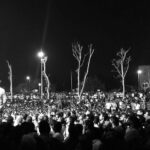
[[41, 54], [139, 71]]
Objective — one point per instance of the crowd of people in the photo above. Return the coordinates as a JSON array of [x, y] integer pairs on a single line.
[[99, 121]]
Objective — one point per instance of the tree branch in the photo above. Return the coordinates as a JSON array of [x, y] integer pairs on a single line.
[[83, 60], [116, 67], [91, 51], [128, 63]]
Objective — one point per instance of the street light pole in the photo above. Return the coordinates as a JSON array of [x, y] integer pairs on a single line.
[[41, 79], [138, 80], [28, 82], [41, 55], [139, 72], [39, 85]]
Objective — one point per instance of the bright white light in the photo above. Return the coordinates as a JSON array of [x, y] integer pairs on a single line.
[[39, 84], [139, 71], [41, 54], [28, 77]]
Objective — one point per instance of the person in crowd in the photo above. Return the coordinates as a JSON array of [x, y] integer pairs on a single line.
[[3, 99], [57, 131]]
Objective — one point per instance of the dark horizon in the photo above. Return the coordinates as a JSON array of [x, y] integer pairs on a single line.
[[27, 26]]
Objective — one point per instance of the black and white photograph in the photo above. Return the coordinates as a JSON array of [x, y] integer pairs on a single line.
[[74, 75]]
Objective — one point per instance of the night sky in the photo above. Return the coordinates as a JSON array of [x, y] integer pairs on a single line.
[[26, 26]]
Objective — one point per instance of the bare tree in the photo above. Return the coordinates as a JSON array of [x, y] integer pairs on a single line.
[[77, 50], [46, 77], [121, 65], [10, 79]]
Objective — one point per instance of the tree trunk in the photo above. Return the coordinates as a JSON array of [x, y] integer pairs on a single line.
[[10, 79], [123, 87], [77, 53], [123, 83], [86, 73], [122, 65], [11, 86], [78, 87], [46, 78]]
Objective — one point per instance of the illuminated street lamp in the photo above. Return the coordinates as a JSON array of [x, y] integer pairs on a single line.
[[39, 85], [139, 72], [28, 80], [41, 56]]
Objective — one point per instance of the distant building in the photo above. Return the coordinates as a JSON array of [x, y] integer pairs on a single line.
[[144, 77]]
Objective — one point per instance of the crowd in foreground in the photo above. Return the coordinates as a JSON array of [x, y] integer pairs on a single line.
[[97, 122]]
